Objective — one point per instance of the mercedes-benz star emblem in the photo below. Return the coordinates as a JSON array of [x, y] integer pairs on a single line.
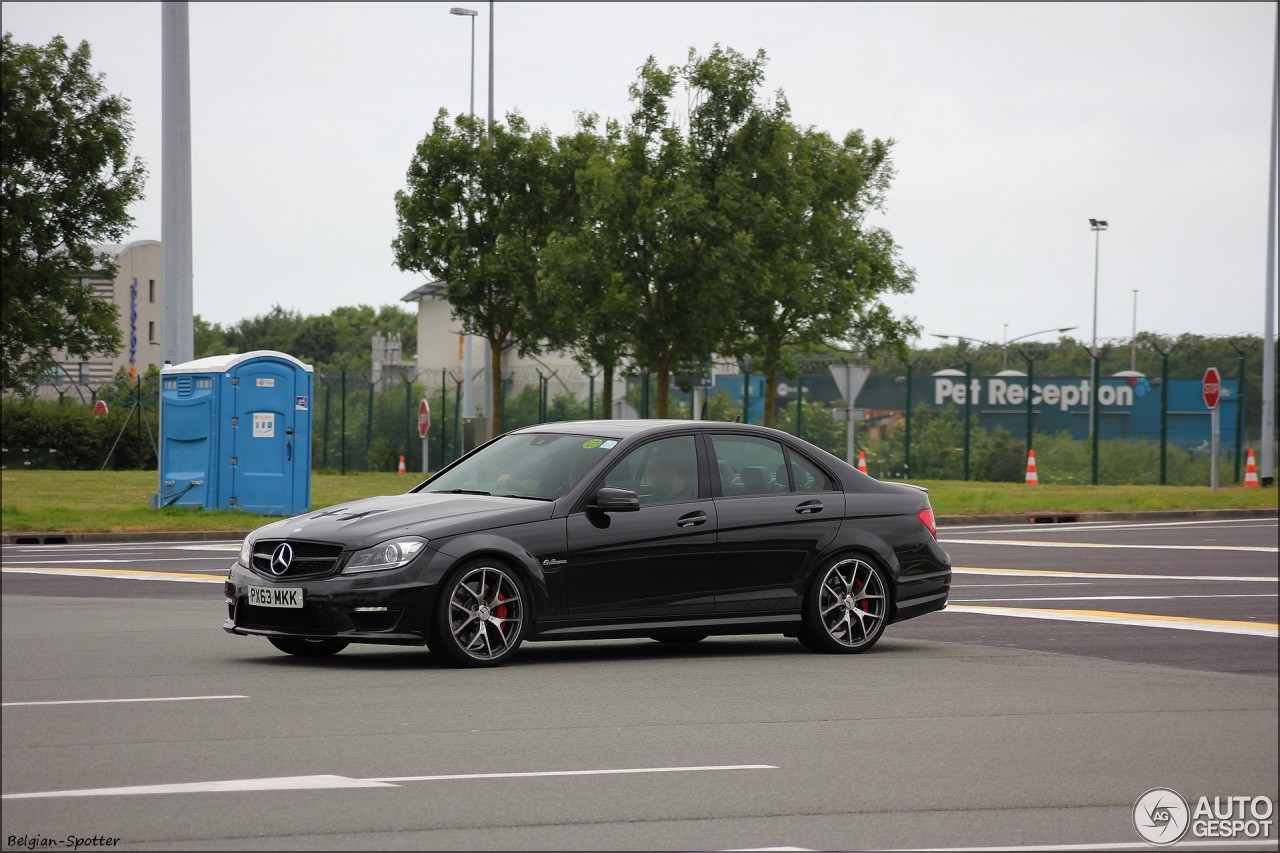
[[281, 557]]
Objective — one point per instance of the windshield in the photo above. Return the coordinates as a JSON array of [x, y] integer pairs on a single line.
[[540, 466]]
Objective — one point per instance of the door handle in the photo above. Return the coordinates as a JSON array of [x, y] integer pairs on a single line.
[[693, 519], [809, 507], [289, 457]]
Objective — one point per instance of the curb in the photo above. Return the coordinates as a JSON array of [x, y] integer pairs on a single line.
[[35, 538]]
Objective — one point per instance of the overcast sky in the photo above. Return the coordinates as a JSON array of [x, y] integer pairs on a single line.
[[1015, 123]]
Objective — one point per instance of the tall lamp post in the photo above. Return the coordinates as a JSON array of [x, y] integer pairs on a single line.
[[466, 344], [968, 379], [1097, 226]]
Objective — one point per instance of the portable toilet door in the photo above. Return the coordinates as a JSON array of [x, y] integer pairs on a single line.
[[188, 433], [269, 396]]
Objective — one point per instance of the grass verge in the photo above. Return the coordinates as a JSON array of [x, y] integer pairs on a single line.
[[116, 501]]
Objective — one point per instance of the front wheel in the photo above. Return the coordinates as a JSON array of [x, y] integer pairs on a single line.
[[847, 608], [304, 648], [480, 615]]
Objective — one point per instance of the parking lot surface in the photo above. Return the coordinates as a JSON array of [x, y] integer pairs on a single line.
[[1077, 667]]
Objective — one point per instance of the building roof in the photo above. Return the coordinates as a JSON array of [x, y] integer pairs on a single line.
[[431, 290]]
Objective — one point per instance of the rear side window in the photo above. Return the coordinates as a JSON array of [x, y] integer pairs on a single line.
[[808, 476], [750, 465]]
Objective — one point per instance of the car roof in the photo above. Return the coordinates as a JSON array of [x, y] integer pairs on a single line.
[[625, 428]]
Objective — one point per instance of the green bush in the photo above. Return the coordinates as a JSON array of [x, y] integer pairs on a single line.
[[66, 435]]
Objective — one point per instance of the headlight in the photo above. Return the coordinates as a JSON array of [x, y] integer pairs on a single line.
[[246, 553], [391, 554]]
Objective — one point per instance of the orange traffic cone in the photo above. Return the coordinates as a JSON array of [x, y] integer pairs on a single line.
[[400, 470], [1032, 479], [1250, 472], [862, 461]]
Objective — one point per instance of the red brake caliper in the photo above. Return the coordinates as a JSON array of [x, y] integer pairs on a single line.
[[857, 587], [501, 610]]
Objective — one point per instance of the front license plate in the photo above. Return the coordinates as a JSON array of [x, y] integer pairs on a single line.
[[282, 596]]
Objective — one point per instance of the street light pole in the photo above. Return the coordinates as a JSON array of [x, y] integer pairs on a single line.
[[1098, 226], [1133, 339], [466, 339]]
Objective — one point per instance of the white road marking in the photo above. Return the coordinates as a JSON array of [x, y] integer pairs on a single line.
[[1085, 526], [1057, 573], [1254, 844], [293, 783], [1121, 597], [1140, 620], [77, 560], [1024, 543], [112, 701], [117, 574], [1025, 583]]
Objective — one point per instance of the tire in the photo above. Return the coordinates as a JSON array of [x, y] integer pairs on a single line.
[[681, 639], [847, 607], [304, 648], [481, 615]]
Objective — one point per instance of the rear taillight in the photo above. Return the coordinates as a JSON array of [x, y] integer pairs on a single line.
[[926, 518]]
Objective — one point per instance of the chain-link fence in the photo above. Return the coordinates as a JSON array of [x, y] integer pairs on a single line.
[[949, 414]]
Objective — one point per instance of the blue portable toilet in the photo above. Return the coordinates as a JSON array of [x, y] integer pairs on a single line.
[[235, 433]]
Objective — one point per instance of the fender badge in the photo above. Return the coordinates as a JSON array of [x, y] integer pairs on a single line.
[[549, 561]]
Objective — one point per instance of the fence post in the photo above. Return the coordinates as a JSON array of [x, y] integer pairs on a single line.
[[342, 442], [324, 453], [408, 417], [800, 407], [368, 425], [906, 436], [591, 397]]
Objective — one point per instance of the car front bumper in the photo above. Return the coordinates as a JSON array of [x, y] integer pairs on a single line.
[[392, 607]]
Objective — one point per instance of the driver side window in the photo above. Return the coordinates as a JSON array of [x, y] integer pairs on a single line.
[[661, 471]]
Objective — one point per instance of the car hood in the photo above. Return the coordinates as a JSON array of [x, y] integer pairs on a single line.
[[366, 522]]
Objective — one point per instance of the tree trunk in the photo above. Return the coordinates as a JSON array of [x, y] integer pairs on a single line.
[[770, 394], [495, 396], [664, 385], [606, 393]]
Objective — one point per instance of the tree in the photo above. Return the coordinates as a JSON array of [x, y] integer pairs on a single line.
[[475, 214], [591, 312], [66, 183], [815, 272], [671, 247]]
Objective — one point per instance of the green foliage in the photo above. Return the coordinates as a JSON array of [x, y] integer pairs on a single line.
[[476, 212], [45, 434], [523, 409], [339, 340], [66, 183]]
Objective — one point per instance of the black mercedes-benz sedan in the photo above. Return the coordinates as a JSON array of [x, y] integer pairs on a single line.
[[675, 530]]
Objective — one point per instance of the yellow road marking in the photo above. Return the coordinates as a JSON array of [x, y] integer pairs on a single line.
[[122, 574], [1109, 617], [1062, 573]]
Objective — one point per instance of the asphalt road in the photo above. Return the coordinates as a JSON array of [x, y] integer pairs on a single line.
[[1078, 667]]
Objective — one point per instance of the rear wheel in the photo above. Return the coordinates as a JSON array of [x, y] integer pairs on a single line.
[[847, 608], [305, 648], [481, 615]]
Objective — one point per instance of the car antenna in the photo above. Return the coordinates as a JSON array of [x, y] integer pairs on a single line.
[[737, 419]]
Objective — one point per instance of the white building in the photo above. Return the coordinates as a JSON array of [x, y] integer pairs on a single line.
[[442, 345], [137, 291]]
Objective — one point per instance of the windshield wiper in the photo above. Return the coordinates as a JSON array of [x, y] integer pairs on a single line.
[[527, 497], [459, 492]]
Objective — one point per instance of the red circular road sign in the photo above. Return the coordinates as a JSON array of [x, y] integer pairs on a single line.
[[100, 408], [424, 418], [1211, 387]]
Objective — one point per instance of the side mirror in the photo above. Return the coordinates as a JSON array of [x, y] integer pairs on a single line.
[[610, 499]]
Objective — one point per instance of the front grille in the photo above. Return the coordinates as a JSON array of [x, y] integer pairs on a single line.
[[309, 559], [312, 618]]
